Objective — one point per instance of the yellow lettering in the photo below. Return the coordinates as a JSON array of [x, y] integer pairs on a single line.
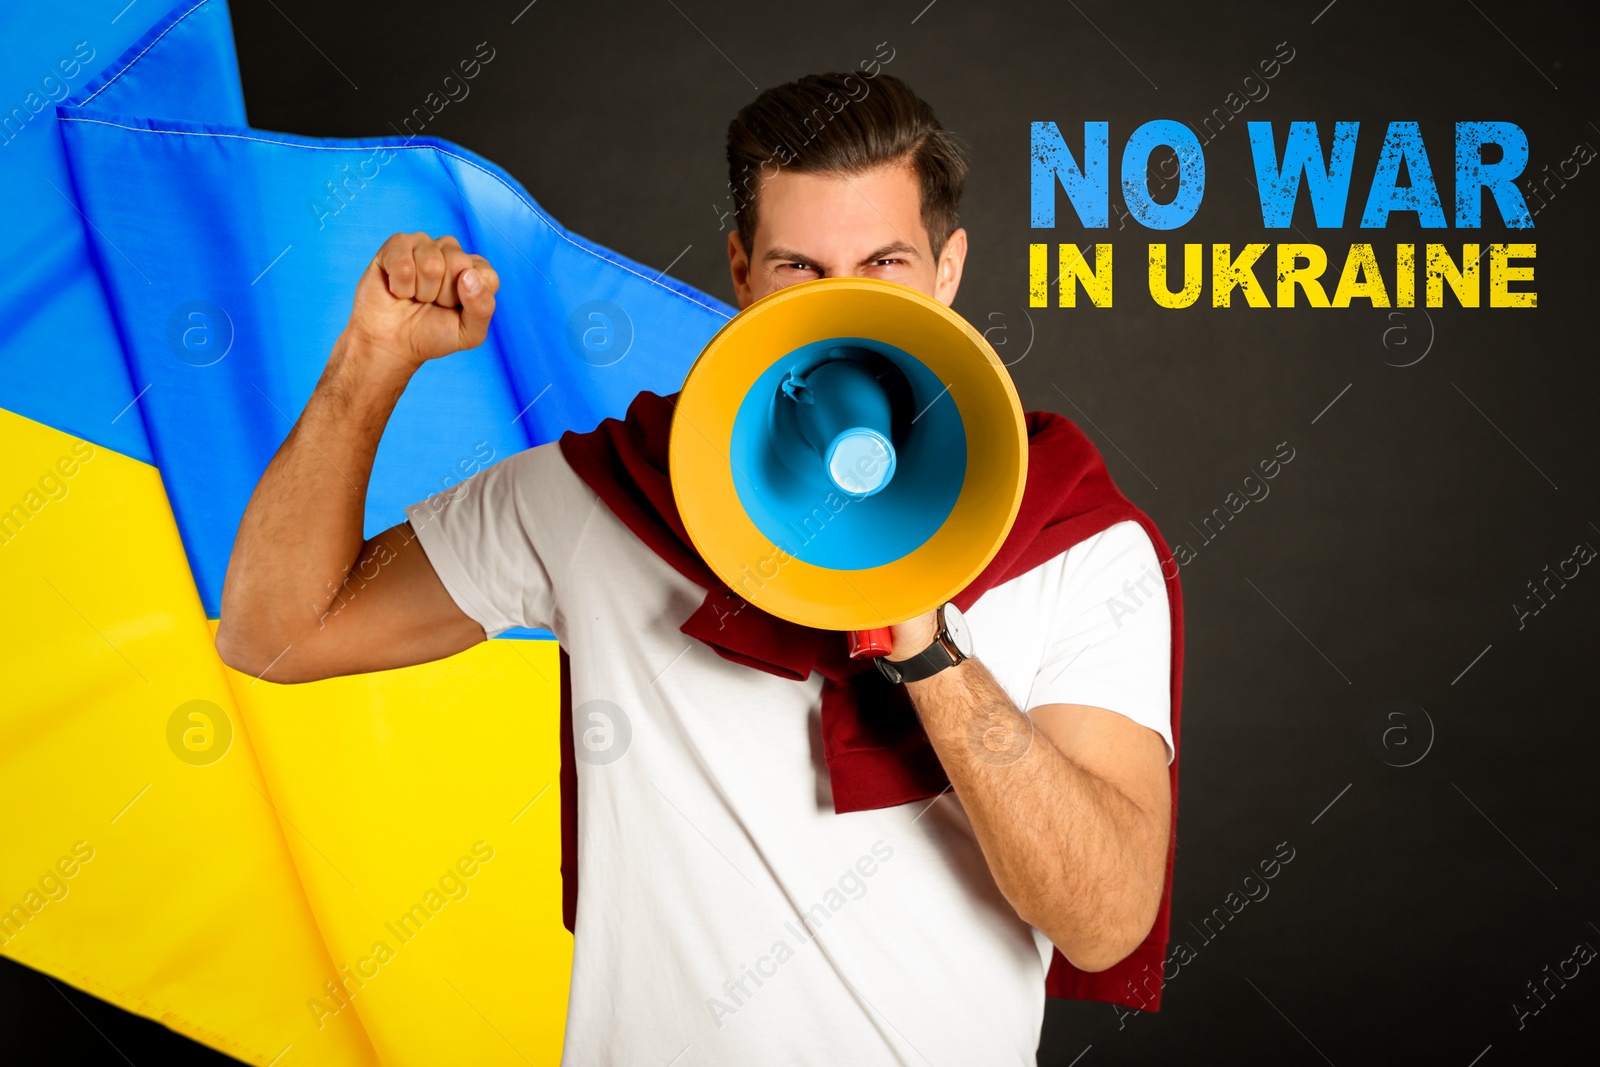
[[1361, 279], [1501, 272], [1228, 273], [1192, 277], [1291, 274], [1463, 282]]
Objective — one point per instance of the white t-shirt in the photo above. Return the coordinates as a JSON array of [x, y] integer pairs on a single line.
[[726, 914]]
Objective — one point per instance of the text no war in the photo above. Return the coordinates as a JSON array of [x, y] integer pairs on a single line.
[[1489, 157]]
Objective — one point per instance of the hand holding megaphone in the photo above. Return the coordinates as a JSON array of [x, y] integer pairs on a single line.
[[848, 454]]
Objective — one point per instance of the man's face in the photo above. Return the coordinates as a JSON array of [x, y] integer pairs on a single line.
[[832, 226]]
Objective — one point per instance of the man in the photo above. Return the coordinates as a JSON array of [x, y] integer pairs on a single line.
[[728, 914]]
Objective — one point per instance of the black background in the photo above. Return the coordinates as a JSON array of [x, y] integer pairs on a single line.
[[1387, 556]]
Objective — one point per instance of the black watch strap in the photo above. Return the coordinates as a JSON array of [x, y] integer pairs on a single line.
[[925, 664]]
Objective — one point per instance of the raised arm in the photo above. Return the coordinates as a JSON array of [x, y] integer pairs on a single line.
[[306, 597]]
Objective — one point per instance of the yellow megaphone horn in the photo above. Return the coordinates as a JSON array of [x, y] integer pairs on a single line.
[[847, 454]]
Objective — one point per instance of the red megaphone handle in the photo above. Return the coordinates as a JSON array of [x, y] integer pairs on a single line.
[[868, 644]]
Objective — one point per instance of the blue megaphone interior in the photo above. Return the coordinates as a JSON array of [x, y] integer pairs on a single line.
[[782, 479], [844, 409]]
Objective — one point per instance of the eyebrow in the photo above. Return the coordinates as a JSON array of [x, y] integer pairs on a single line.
[[896, 247]]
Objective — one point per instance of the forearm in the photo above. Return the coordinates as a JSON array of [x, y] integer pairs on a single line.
[[1069, 850], [302, 531]]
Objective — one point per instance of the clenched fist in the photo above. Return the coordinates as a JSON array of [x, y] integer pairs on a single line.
[[422, 298]]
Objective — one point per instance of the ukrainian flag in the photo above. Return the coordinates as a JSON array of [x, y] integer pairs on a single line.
[[362, 870]]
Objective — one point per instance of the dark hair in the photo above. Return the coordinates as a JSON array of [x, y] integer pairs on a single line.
[[844, 124]]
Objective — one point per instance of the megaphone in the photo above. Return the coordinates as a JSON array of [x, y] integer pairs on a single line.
[[847, 454]]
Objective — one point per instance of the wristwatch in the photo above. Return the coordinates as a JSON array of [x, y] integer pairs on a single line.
[[951, 645]]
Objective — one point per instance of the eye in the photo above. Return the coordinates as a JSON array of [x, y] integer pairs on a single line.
[[888, 262], [796, 266]]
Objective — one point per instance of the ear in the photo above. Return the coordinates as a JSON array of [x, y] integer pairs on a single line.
[[739, 269], [947, 277]]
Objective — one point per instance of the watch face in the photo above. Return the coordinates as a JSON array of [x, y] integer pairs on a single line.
[[956, 626]]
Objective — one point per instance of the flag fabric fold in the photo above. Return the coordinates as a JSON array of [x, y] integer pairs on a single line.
[[355, 871]]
